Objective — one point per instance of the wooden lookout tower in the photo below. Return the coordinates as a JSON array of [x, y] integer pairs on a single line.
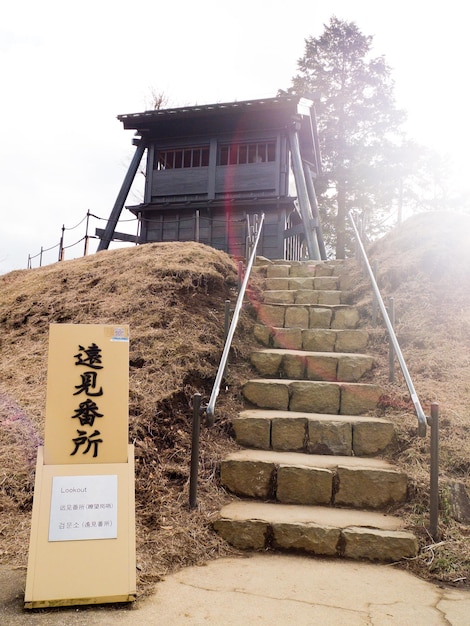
[[211, 168]]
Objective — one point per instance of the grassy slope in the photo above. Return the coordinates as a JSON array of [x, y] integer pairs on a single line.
[[173, 296]]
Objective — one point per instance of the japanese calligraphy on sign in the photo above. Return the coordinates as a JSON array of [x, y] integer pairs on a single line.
[[87, 410], [87, 394]]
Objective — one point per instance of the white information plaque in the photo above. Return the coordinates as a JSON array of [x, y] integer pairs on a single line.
[[83, 507]]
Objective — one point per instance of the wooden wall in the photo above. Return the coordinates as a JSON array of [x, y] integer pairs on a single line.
[[222, 229]]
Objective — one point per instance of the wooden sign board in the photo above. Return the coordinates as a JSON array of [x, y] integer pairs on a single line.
[[87, 416], [82, 545]]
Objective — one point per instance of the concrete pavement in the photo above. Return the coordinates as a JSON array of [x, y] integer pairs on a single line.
[[266, 589]]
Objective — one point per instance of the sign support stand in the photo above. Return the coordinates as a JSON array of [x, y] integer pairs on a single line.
[[82, 545]]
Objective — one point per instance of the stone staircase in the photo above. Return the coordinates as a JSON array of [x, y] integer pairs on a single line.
[[306, 477]]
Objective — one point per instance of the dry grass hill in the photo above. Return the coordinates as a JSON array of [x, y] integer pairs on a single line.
[[172, 296]]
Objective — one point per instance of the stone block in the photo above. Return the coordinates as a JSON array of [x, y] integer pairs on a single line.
[[301, 283], [277, 284], [378, 545], [369, 488], [267, 394], [279, 297], [296, 317], [304, 485], [330, 298], [288, 433], [351, 340], [293, 365], [319, 340], [456, 497], [320, 318], [266, 363], [329, 283], [324, 270], [251, 479], [326, 437], [252, 432], [314, 397], [278, 271], [288, 338], [345, 317], [262, 334], [271, 315], [243, 534], [304, 296], [352, 367], [357, 398], [321, 367], [372, 437], [303, 270], [311, 538]]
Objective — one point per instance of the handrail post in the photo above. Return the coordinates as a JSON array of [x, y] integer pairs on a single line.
[[374, 297], [240, 275], [434, 484], [227, 312], [195, 450], [391, 351], [236, 312]]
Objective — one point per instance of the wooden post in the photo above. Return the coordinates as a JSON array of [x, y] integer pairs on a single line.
[[122, 195], [61, 244], [85, 250], [314, 205], [304, 203]]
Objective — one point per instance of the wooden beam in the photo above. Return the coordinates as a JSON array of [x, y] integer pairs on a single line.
[[99, 232]]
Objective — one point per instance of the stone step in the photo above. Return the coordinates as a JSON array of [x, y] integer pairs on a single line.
[[308, 365], [315, 530], [330, 283], [301, 269], [296, 478], [305, 316], [305, 296], [315, 339], [315, 397], [313, 433]]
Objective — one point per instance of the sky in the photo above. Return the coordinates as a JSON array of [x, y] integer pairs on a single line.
[[69, 68]]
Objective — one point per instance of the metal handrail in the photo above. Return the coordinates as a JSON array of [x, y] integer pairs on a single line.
[[210, 409], [422, 419]]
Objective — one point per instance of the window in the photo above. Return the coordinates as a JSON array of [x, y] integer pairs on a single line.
[[181, 158], [242, 153]]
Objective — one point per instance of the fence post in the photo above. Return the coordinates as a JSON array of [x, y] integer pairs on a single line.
[[61, 244], [195, 450], [85, 250]]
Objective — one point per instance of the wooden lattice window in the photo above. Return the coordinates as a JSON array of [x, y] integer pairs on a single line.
[[182, 157], [243, 153]]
